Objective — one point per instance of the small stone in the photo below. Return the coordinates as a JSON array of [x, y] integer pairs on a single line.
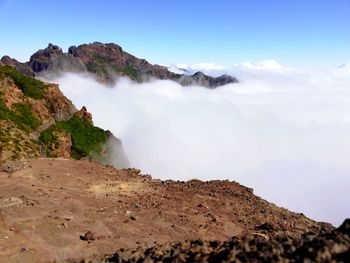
[[89, 236]]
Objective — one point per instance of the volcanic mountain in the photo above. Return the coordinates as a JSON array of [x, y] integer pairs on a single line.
[[106, 62]]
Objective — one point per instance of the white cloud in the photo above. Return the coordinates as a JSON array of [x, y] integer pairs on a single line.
[[260, 65], [286, 134], [202, 66], [345, 66]]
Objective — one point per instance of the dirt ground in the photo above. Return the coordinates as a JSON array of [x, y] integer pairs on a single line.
[[48, 205]]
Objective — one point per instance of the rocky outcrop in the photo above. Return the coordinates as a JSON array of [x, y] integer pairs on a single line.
[[106, 62], [53, 60], [37, 120], [84, 114], [24, 68], [329, 246]]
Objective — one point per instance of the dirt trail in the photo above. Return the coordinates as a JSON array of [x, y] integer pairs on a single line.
[[47, 206]]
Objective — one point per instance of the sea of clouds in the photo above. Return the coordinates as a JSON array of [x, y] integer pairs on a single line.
[[283, 132]]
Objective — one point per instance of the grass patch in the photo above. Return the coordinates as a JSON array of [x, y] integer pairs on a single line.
[[101, 59], [31, 87], [131, 72], [87, 139], [21, 115]]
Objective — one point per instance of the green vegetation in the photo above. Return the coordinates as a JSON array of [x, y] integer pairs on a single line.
[[96, 68], [131, 72], [21, 115], [87, 139], [99, 64], [101, 59], [31, 87]]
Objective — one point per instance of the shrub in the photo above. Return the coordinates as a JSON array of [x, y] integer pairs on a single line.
[[87, 139]]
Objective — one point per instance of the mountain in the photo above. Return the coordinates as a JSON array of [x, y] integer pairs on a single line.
[[106, 62], [37, 120]]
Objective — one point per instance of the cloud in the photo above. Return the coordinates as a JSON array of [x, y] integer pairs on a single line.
[[285, 134], [191, 68], [260, 65]]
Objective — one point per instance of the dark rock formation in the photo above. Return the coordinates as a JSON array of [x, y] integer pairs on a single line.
[[53, 60], [331, 246], [106, 62]]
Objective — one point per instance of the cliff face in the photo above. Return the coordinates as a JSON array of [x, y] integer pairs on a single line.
[[106, 62], [37, 120]]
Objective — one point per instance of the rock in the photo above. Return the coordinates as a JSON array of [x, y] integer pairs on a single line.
[[345, 227], [106, 62], [84, 114], [53, 61], [327, 247], [89, 236], [266, 227], [60, 106], [128, 213]]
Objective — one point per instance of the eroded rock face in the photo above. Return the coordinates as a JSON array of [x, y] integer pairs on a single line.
[[106, 62], [53, 60], [59, 105]]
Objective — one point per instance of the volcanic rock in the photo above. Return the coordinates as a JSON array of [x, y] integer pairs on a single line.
[[106, 62]]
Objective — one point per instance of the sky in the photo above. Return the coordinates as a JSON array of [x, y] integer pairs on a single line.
[[296, 33]]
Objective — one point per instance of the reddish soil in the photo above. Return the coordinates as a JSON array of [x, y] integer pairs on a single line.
[[57, 209]]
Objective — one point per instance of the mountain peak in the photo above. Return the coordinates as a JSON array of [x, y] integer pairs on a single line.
[[106, 62]]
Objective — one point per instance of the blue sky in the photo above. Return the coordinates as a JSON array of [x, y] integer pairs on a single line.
[[293, 32]]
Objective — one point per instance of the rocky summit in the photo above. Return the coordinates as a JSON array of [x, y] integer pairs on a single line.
[[106, 62]]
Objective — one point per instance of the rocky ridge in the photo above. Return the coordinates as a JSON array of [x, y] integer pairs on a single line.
[[106, 62], [37, 120]]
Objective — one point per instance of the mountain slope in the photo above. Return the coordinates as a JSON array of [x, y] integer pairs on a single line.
[[38, 120], [54, 209], [106, 62]]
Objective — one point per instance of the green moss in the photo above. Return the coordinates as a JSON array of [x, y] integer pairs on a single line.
[[131, 72], [96, 68], [101, 59], [49, 138], [24, 116], [31, 87], [87, 139], [21, 115]]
